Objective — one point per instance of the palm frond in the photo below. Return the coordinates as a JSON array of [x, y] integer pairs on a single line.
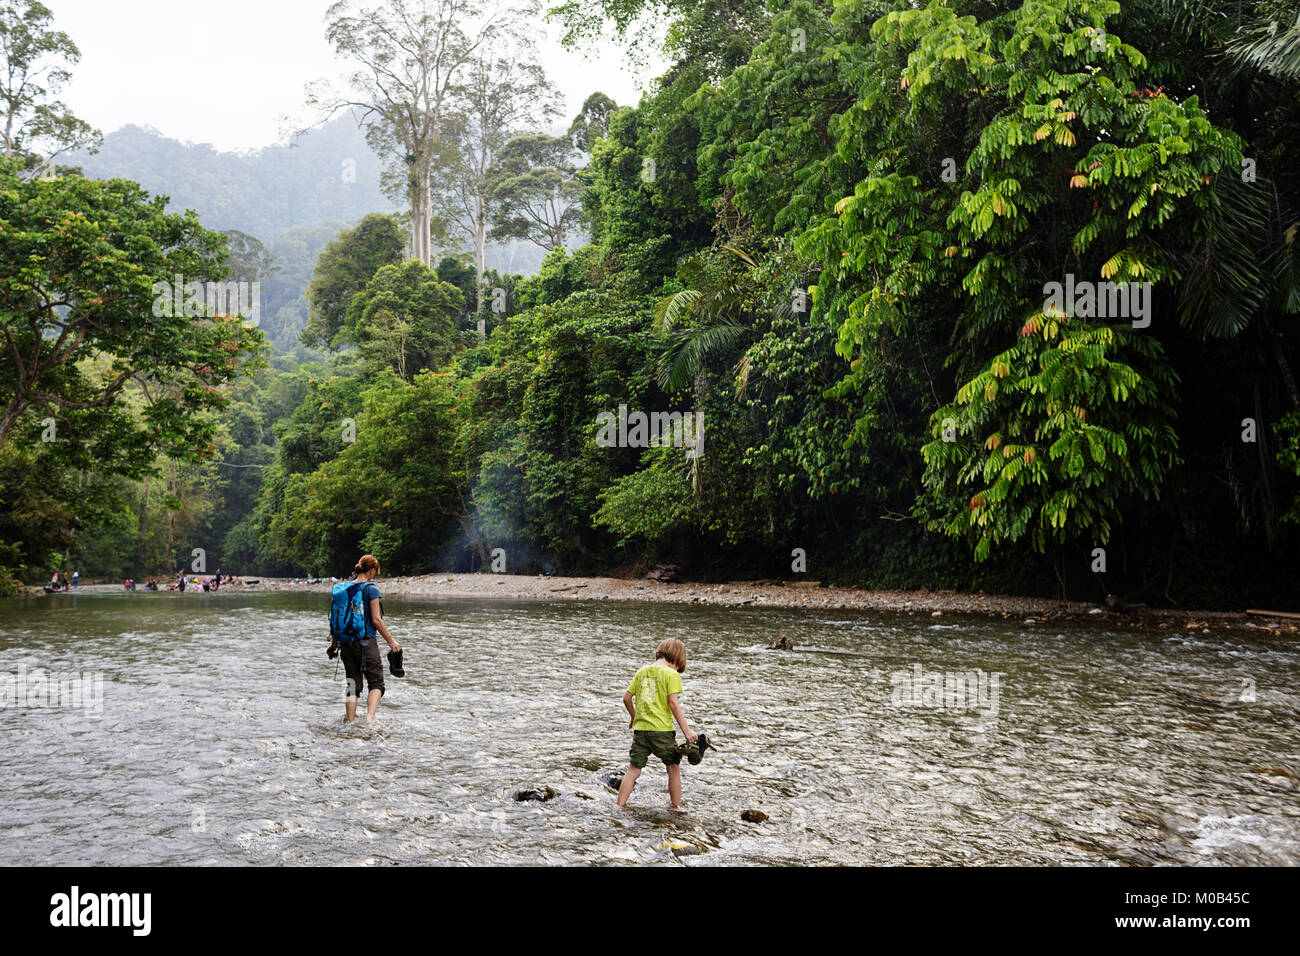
[[689, 349], [1270, 47], [742, 255], [743, 368], [1224, 285], [1284, 275], [669, 311]]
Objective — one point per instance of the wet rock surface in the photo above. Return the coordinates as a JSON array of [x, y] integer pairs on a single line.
[[537, 794]]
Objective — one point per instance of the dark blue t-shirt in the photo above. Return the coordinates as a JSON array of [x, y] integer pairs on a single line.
[[368, 593]]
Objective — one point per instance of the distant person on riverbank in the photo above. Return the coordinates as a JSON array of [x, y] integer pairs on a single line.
[[361, 655], [651, 699], [76, 579]]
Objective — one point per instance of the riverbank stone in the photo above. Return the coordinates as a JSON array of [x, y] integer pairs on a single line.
[[538, 794]]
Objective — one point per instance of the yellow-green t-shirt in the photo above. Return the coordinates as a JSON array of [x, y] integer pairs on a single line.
[[650, 689]]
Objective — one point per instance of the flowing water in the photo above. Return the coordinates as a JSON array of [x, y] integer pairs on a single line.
[[219, 739]]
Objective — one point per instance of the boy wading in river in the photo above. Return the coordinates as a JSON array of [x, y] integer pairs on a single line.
[[356, 615], [651, 699]]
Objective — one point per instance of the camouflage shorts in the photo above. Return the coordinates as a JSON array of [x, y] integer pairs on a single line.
[[662, 743]]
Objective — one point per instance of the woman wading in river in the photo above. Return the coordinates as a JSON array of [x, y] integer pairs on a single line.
[[360, 599]]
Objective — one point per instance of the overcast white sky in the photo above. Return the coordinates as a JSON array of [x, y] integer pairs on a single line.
[[225, 71]]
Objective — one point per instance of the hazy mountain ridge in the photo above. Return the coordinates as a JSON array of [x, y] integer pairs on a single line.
[[294, 198], [327, 174]]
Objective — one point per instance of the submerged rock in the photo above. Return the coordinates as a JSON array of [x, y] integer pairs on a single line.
[[753, 816], [613, 779], [539, 794]]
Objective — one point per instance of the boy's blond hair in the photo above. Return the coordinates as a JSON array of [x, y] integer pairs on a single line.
[[674, 652]]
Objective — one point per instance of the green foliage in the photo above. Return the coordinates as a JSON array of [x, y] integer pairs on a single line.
[[342, 271], [95, 250], [1058, 142], [405, 319], [831, 229], [390, 488], [717, 34], [1052, 437], [639, 201], [1271, 43], [535, 190], [381, 541], [650, 506], [458, 272], [36, 58], [592, 122], [1288, 456]]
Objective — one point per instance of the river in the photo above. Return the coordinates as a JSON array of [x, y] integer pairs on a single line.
[[218, 738]]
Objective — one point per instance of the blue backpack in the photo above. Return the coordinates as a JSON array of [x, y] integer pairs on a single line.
[[347, 612]]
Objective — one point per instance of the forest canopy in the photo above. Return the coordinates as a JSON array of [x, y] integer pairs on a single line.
[[962, 295]]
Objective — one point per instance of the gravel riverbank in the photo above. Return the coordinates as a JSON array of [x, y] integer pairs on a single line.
[[799, 595]]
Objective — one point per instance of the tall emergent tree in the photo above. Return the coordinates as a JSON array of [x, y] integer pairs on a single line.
[[35, 68], [592, 122], [409, 55], [500, 98], [536, 190]]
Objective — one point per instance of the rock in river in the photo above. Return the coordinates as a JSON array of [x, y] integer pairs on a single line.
[[540, 794], [753, 816]]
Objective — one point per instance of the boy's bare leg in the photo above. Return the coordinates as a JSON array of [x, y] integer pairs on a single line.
[[629, 781], [372, 704], [675, 784], [349, 709]]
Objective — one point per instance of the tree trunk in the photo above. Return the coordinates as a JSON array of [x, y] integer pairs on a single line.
[[421, 202], [1279, 353], [144, 523], [1261, 446], [480, 250], [701, 393], [170, 487]]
